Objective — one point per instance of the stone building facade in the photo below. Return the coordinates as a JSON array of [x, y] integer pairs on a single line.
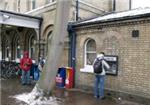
[[114, 37], [44, 9], [127, 37]]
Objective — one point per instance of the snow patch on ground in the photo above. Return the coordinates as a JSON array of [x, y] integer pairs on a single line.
[[2, 79], [36, 98]]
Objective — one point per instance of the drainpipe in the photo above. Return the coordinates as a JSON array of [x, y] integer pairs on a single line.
[[40, 24], [72, 50], [130, 4], [77, 10], [114, 5]]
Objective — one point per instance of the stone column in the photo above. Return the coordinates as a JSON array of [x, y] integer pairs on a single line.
[[42, 48], [37, 45]]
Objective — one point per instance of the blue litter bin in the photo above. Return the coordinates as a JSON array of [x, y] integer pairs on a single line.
[[61, 77]]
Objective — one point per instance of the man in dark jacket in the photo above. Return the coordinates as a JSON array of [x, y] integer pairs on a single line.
[[25, 65]]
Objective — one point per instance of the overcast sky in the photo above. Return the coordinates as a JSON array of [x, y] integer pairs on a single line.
[[140, 3]]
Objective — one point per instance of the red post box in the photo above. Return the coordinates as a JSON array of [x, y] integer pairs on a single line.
[[69, 77]]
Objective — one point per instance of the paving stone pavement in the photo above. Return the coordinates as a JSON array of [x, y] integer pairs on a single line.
[[11, 87]]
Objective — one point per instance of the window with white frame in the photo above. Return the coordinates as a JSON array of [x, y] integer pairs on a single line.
[[90, 52], [18, 50], [32, 46]]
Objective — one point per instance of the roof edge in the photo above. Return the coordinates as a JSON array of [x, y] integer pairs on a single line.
[[21, 14], [78, 24]]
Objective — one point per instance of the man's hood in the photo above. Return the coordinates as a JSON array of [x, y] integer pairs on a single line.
[[100, 56]]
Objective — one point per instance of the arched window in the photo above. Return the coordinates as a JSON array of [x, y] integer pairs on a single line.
[[7, 51], [32, 46], [18, 50], [5, 48], [90, 51]]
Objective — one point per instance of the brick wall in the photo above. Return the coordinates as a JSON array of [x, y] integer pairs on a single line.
[[134, 60]]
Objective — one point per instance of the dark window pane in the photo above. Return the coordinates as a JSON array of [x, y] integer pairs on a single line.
[[91, 46]]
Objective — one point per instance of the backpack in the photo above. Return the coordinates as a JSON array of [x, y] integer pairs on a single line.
[[98, 66]]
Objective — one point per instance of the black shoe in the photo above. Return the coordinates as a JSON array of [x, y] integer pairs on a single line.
[[23, 84], [96, 97]]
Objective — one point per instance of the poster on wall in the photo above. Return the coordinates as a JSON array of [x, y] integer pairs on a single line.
[[112, 60]]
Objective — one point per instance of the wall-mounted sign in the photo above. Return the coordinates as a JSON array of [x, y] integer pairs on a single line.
[[112, 60]]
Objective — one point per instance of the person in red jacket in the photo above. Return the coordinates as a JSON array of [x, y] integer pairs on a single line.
[[25, 65]]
